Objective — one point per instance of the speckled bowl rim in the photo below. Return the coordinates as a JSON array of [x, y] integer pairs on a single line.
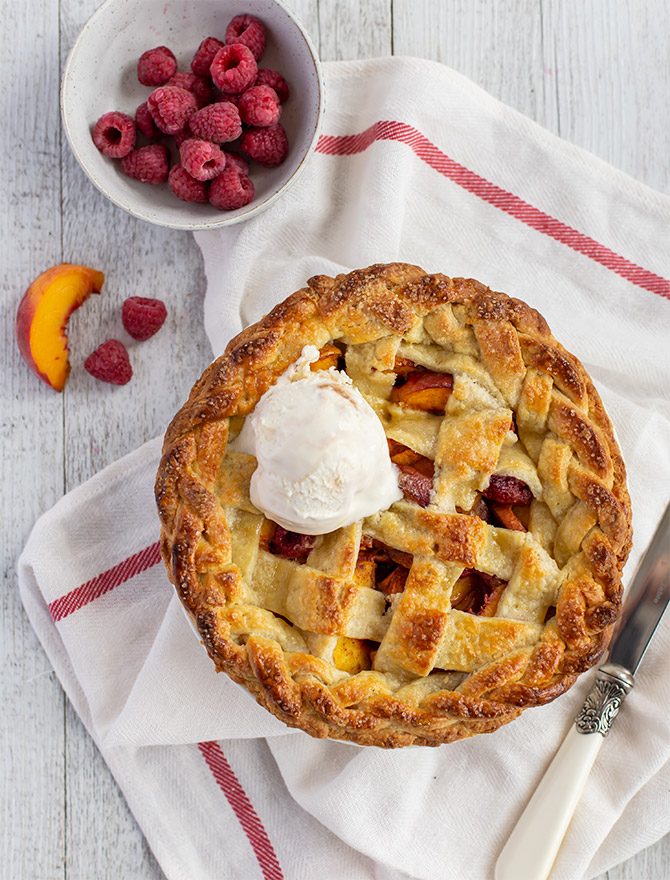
[[192, 225]]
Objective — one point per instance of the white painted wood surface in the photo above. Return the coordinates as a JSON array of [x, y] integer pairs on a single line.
[[595, 72]]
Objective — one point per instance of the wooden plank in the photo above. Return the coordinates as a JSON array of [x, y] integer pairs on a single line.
[[652, 863], [612, 81], [497, 44], [31, 466], [348, 29], [104, 422]]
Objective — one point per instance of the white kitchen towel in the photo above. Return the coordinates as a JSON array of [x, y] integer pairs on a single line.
[[415, 163]]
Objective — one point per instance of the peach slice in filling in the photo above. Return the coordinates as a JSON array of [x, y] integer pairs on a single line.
[[353, 655], [387, 568], [507, 518], [329, 356], [426, 390], [477, 593]]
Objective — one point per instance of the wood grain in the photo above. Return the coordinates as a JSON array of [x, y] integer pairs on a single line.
[[595, 73], [32, 731]]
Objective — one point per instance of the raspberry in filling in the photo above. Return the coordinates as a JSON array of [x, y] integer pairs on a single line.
[[508, 490], [280, 542], [504, 492]]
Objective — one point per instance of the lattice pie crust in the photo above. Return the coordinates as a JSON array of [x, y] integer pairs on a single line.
[[424, 623]]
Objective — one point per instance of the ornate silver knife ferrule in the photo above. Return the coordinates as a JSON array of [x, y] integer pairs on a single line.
[[604, 700]]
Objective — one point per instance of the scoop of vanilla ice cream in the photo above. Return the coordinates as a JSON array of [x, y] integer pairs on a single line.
[[322, 455]]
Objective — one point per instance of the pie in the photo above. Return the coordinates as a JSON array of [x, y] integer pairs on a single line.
[[487, 589]]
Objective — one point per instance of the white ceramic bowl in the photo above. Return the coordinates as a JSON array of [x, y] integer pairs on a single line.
[[101, 75]]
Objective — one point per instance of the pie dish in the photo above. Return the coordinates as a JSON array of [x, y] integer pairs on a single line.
[[487, 589]]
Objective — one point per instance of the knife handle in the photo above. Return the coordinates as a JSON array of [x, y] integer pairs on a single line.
[[533, 844]]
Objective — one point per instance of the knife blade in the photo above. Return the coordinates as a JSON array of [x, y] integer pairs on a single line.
[[532, 847], [648, 597]]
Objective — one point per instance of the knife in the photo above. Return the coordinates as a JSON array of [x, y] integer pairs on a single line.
[[532, 847]]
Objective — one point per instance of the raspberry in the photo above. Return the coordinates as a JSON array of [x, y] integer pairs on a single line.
[[142, 316], [260, 106], [218, 123], [147, 164], [183, 135], [110, 363], [185, 187], [202, 60], [275, 80], [201, 159], [197, 85], [249, 31], [234, 68], [171, 108], [231, 189], [235, 161], [231, 99], [268, 146], [145, 122], [156, 66], [114, 134]]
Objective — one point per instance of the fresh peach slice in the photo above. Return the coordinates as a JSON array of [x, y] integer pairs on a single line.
[[43, 314], [426, 390]]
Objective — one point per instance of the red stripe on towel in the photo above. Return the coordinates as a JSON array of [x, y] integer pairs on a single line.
[[103, 583], [347, 145], [243, 809]]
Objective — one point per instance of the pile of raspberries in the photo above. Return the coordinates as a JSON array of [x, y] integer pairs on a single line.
[[225, 97]]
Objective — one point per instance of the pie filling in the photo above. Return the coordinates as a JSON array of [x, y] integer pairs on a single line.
[[504, 502]]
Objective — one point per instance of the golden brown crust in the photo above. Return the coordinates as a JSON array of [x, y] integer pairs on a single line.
[[507, 662]]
